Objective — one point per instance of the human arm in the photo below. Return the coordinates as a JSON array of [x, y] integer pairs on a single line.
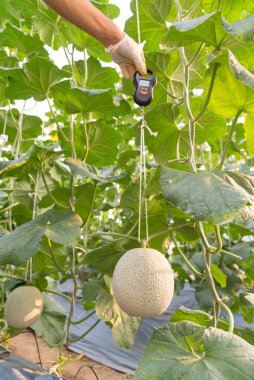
[[122, 49]]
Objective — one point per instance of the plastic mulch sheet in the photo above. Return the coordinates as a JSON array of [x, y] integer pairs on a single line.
[[14, 367]]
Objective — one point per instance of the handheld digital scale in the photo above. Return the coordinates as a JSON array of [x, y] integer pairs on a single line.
[[143, 91]]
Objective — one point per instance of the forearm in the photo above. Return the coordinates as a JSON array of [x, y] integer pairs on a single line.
[[88, 18]]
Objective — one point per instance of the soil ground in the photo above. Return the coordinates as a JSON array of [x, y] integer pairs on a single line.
[[25, 345]]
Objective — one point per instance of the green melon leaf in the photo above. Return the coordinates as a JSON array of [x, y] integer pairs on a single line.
[[25, 241], [196, 316], [207, 28], [63, 227], [189, 351], [84, 170], [153, 16], [51, 324], [34, 80], [75, 100], [124, 329], [12, 37], [219, 276], [212, 197]]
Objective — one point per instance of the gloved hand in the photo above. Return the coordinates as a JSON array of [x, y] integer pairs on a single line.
[[129, 56]]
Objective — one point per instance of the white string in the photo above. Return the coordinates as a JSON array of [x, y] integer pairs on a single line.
[[144, 166], [138, 22], [142, 162], [140, 183], [142, 176]]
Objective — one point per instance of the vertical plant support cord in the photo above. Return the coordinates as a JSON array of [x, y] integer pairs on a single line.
[[142, 180], [138, 22], [230, 135]]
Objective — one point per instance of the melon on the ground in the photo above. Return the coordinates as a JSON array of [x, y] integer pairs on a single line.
[[23, 307], [143, 283]]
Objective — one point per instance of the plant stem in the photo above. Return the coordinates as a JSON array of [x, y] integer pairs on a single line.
[[187, 262], [112, 234], [59, 129], [74, 292], [209, 93], [91, 208], [225, 151], [58, 294], [50, 193], [231, 254], [169, 93], [230, 317], [83, 319], [9, 207], [218, 239], [85, 333], [200, 229], [86, 136], [195, 54], [168, 230], [54, 259]]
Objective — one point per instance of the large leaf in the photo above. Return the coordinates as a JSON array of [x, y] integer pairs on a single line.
[[232, 10], [161, 120], [74, 100], [196, 316], [44, 18], [153, 15], [51, 324], [104, 258], [124, 329], [212, 30], [31, 125], [84, 170], [39, 156], [207, 28], [14, 38], [213, 197], [63, 228], [34, 80], [25, 241], [188, 351], [101, 145], [93, 75], [233, 87]]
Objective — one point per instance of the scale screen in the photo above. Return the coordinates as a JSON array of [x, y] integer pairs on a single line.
[[144, 83]]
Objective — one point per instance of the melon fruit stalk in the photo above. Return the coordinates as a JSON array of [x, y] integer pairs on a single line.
[[143, 283], [23, 307]]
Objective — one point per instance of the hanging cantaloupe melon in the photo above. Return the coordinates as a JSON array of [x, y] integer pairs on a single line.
[[143, 283], [23, 307]]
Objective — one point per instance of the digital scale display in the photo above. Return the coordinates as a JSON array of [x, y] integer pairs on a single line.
[[144, 83]]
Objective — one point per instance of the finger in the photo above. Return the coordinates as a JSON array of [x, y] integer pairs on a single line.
[[140, 64], [125, 71], [131, 70]]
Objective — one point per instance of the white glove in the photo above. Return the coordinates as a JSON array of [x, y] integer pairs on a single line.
[[129, 56]]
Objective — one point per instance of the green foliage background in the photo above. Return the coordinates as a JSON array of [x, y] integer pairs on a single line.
[[69, 181]]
